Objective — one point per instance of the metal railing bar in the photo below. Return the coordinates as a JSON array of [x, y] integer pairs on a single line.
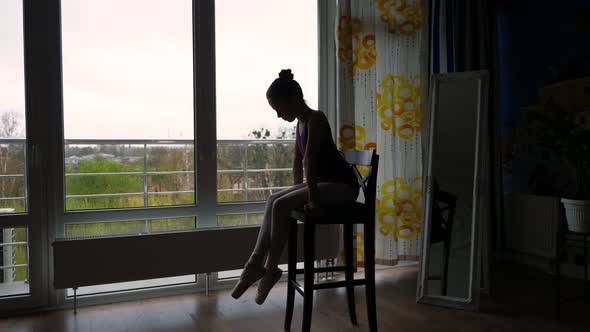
[[153, 141], [170, 192], [254, 170], [130, 173], [11, 175], [12, 140], [262, 141], [105, 195], [133, 194], [6, 267], [11, 198], [13, 244], [106, 174], [229, 190], [165, 141], [251, 189], [128, 141], [169, 172], [268, 188]]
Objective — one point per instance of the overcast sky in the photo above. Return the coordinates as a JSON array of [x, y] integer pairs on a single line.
[[127, 64]]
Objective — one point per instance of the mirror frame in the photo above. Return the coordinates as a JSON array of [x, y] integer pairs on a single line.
[[472, 301]]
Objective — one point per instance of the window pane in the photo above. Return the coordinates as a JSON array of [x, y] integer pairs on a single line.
[[12, 109], [128, 103], [14, 258]]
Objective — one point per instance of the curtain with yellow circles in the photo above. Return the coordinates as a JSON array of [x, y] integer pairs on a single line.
[[379, 106]]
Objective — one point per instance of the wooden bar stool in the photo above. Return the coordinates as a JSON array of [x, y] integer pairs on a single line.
[[347, 215]]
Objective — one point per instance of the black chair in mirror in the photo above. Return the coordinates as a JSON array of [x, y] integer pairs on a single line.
[[443, 211], [348, 216]]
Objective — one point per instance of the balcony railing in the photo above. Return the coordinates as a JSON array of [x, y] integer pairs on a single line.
[[248, 170], [13, 260], [12, 153]]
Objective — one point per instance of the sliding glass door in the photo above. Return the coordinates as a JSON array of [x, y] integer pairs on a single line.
[[20, 223], [128, 114]]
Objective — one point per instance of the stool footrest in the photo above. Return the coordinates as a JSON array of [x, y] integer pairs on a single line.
[[297, 286], [337, 284], [327, 285], [323, 269]]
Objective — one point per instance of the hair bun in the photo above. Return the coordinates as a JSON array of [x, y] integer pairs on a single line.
[[286, 74]]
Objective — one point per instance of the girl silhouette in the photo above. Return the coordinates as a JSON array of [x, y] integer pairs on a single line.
[[329, 180]]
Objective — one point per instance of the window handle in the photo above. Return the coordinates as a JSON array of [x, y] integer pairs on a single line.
[[35, 154]]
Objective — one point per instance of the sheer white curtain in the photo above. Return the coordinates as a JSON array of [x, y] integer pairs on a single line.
[[380, 106]]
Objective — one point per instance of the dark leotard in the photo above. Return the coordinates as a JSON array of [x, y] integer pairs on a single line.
[[332, 165]]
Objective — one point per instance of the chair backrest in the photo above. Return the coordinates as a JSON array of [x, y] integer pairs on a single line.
[[368, 183]]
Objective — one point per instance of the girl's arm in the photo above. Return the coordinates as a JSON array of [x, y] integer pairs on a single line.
[[297, 166], [316, 130]]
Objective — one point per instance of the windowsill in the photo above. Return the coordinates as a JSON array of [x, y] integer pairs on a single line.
[[105, 289]]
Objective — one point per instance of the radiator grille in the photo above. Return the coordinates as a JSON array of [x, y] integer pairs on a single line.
[[532, 224]]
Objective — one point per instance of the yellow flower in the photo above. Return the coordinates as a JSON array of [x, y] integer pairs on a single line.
[[401, 16], [399, 210], [398, 105], [360, 246]]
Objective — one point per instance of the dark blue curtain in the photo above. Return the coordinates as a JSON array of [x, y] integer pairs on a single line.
[[463, 38]]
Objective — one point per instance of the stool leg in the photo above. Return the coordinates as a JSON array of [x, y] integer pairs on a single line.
[[445, 268], [349, 272], [557, 281], [309, 253], [370, 276], [585, 272], [292, 273]]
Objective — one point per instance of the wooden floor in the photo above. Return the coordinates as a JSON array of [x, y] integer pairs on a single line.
[[518, 305]]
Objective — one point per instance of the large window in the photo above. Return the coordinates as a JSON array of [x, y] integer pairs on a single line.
[[128, 114], [128, 101], [149, 116]]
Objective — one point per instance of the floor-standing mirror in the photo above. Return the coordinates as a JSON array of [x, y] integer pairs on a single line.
[[450, 262]]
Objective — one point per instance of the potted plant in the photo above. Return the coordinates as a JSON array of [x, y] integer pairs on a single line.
[[577, 201]]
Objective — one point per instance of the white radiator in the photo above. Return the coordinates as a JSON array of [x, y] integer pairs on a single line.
[[95, 261], [531, 224]]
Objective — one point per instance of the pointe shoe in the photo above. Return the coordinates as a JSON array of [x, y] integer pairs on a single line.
[[266, 284], [252, 272]]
